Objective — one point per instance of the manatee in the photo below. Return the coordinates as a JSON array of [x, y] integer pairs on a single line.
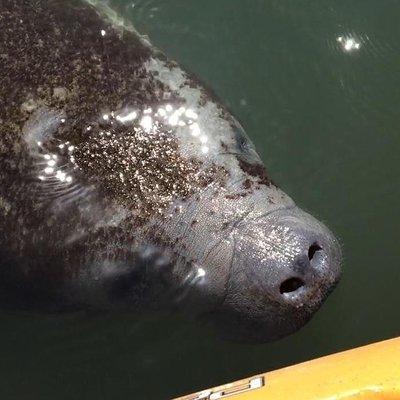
[[126, 185]]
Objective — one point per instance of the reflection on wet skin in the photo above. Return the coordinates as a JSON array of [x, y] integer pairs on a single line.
[[52, 170], [147, 121], [166, 118]]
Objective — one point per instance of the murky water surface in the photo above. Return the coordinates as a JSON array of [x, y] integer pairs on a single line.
[[316, 86]]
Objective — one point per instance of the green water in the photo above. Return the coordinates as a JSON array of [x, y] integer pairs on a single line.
[[327, 124]]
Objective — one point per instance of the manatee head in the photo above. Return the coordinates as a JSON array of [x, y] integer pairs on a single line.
[[262, 266], [246, 258]]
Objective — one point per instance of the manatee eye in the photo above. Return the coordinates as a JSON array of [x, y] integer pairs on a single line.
[[242, 141], [244, 145]]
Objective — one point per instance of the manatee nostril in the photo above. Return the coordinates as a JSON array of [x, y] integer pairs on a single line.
[[291, 285], [313, 249]]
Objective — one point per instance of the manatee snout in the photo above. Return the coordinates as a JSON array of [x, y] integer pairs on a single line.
[[284, 266]]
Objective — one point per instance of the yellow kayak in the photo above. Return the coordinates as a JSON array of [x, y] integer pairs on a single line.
[[366, 373]]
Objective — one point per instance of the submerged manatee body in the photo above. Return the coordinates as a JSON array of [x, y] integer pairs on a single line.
[[125, 184]]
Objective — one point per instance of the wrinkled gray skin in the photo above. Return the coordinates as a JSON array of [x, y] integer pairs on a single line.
[[124, 184]]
